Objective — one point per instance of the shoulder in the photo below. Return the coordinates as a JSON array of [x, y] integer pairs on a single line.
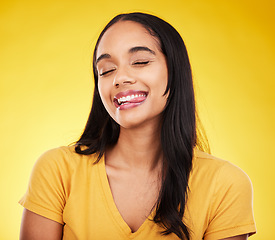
[[51, 181], [219, 179], [226, 185], [225, 193], [218, 169], [62, 161], [58, 154], [64, 155]]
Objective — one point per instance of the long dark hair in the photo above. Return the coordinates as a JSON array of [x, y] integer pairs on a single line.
[[179, 129]]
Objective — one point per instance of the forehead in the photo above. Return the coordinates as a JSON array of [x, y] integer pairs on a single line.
[[124, 35]]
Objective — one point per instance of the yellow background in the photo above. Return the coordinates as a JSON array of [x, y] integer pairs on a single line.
[[46, 85]]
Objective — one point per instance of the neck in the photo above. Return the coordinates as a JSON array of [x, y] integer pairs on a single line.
[[137, 149]]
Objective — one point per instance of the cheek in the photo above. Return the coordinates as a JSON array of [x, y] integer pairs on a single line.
[[161, 85], [161, 80], [105, 94], [102, 92]]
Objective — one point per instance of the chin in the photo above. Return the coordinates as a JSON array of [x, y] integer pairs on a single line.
[[138, 123], [130, 124]]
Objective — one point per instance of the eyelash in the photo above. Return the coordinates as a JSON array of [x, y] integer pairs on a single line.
[[141, 63], [135, 63], [102, 74]]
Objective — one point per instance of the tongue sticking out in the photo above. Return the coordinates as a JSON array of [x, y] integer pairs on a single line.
[[130, 100]]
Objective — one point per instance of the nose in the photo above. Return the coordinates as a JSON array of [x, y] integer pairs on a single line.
[[122, 77]]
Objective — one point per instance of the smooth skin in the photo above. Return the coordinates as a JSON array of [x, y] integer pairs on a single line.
[[134, 164], [128, 68], [36, 227]]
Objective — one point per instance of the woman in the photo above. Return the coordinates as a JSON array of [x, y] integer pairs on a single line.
[[136, 171]]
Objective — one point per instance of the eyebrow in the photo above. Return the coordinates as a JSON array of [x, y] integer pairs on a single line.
[[141, 48], [131, 50], [103, 56]]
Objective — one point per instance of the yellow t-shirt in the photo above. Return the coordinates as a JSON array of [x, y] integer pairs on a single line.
[[68, 188]]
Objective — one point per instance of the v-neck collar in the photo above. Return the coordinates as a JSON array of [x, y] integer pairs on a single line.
[[111, 206]]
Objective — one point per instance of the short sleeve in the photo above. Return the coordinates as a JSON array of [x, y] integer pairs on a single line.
[[231, 211], [46, 194]]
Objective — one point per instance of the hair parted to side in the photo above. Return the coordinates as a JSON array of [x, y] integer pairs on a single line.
[[179, 133]]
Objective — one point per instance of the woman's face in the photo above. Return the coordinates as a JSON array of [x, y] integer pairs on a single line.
[[132, 75]]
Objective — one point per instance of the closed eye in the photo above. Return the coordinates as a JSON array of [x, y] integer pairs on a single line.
[[141, 62], [106, 72]]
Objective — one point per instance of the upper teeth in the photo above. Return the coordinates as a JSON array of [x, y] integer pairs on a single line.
[[130, 97]]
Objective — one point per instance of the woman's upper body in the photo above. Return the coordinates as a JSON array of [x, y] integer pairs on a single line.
[[134, 173], [78, 196]]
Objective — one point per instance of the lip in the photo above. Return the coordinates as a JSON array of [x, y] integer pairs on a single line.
[[140, 97]]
